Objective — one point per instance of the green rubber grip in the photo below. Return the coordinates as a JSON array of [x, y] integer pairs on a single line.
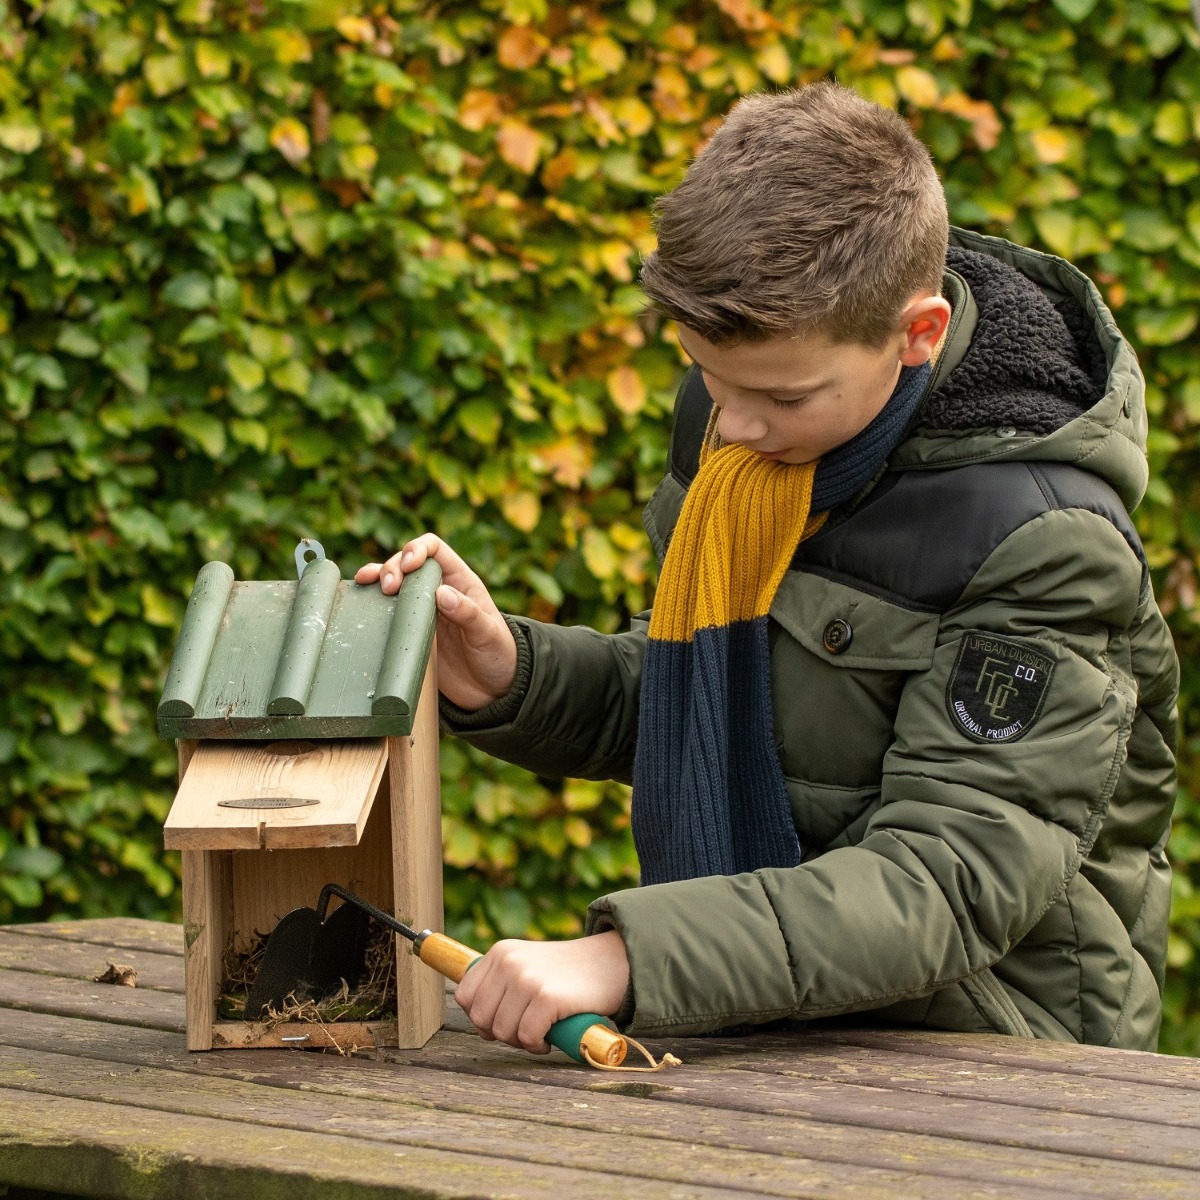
[[567, 1034]]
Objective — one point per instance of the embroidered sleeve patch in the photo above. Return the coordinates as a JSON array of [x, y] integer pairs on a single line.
[[998, 687]]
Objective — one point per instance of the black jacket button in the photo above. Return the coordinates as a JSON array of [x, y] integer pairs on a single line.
[[838, 635]]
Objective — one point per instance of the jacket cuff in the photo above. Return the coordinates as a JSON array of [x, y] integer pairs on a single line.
[[500, 711], [703, 954]]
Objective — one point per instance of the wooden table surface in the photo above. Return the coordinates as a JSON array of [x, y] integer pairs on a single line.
[[98, 1097]]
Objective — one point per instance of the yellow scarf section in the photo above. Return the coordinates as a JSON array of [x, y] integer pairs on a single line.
[[742, 519]]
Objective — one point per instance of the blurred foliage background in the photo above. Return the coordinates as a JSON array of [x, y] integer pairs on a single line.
[[278, 269]]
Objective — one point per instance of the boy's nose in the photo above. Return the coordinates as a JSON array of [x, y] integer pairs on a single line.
[[737, 423]]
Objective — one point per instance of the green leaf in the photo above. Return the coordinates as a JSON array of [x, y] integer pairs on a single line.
[[293, 376], [246, 372], [1075, 10], [74, 339], [165, 73], [480, 420], [1165, 326], [188, 290], [205, 430], [1149, 229]]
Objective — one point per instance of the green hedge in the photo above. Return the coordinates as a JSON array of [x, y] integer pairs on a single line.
[[284, 269]]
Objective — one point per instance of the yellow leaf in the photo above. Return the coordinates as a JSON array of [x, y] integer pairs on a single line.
[[627, 390], [578, 831], [568, 460], [745, 14], [165, 73], [479, 108], [626, 537], [290, 138], [984, 121], [521, 47], [522, 509], [607, 53], [157, 608], [615, 257], [633, 116], [918, 87], [1050, 145], [212, 59], [775, 63], [356, 29], [559, 169], [520, 145], [362, 159], [291, 46], [598, 554]]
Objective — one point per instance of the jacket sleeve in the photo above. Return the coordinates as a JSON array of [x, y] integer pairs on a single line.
[[573, 710], [970, 846]]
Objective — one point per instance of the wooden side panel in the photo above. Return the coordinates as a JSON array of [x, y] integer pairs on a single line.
[[338, 779], [207, 920], [415, 786], [267, 885]]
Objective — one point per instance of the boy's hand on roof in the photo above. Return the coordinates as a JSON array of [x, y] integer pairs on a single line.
[[519, 989], [477, 656]]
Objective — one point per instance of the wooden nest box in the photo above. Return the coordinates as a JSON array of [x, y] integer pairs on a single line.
[[305, 716]]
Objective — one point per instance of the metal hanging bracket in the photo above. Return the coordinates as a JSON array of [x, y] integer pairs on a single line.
[[304, 548]]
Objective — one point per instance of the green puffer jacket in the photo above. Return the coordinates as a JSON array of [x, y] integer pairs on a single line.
[[974, 698]]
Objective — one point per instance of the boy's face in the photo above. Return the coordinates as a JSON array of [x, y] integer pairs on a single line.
[[796, 398]]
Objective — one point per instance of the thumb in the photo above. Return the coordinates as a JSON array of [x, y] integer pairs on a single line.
[[460, 610]]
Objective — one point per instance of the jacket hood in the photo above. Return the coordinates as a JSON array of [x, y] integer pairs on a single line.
[[1034, 369]]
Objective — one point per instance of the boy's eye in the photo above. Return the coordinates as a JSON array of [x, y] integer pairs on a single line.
[[789, 403]]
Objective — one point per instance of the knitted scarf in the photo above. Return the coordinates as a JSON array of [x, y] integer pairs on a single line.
[[709, 796]]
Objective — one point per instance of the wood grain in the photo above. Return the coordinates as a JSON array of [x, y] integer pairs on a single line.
[[341, 776], [414, 784], [118, 933], [1084, 1158], [84, 960], [101, 1149], [656, 1161]]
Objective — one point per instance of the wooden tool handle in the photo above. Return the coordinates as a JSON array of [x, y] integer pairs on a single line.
[[446, 956], [572, 1035]]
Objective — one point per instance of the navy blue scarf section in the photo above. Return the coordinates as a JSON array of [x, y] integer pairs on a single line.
[[843, 472], [709, 795]]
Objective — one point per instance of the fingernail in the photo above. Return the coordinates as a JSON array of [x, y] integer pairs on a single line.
[[449, 600], [405, 559], [387, 579]]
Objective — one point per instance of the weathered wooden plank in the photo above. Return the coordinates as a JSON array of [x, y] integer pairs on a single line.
[[122, 933], [1097, 1062], [721, 1080], [940, 1149], [84, 960], [1001, 1083], [660, 1159], [92, 1001], [96, 1149]]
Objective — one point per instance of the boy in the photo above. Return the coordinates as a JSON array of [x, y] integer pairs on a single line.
[[901, 730]]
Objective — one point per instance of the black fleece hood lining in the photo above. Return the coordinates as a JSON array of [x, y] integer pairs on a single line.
[[1032, 364]]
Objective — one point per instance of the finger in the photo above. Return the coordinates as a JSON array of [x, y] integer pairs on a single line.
[[506, 1024], [535, 1024], [368, 573], [462, 612]]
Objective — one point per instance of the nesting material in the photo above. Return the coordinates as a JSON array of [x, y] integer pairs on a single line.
[[374, 998]]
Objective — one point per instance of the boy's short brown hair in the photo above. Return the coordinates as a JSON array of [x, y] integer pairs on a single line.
[[809, 210]]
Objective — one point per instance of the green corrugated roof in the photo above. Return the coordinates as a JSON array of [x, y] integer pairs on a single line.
[[318, 657]]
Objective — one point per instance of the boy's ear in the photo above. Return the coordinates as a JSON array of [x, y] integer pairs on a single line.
[[923, 322]]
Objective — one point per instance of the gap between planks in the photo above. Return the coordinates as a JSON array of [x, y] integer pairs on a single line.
[[134, 1151], [757, 1119], [682, 1159]]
